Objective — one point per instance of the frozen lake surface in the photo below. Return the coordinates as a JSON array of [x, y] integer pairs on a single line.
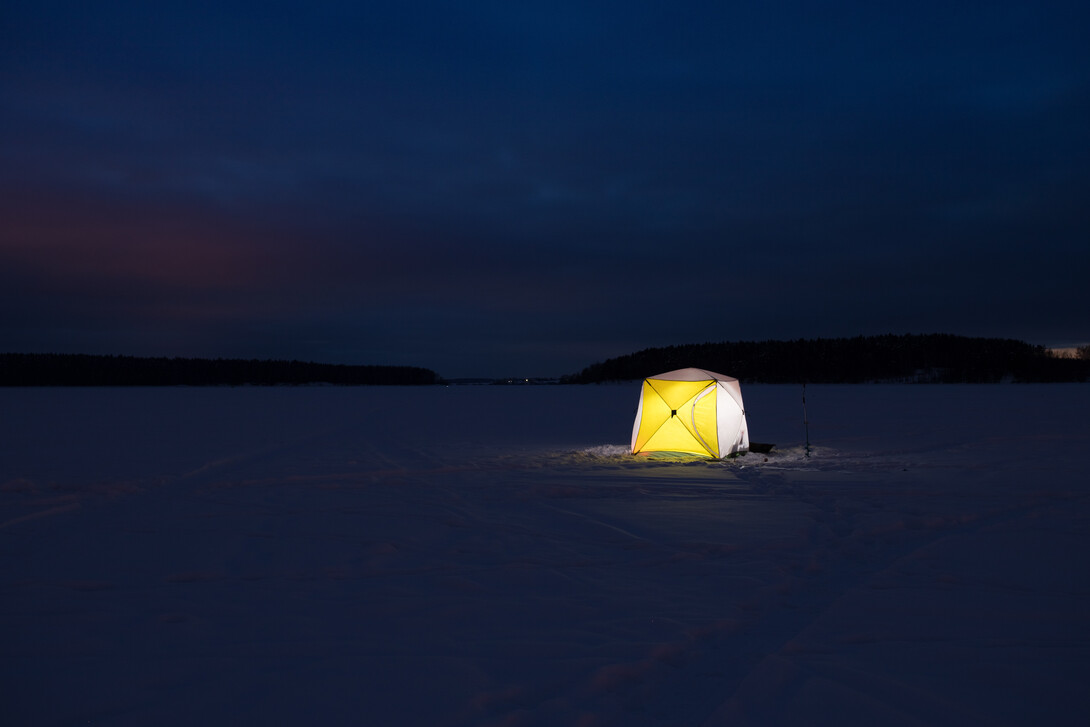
[[493, 556]]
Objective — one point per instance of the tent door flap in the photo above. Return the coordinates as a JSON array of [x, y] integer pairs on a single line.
[[696, 430]]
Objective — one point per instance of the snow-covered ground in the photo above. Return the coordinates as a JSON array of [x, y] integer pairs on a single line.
[[492, 555]]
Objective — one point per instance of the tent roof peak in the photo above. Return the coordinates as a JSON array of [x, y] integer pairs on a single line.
[[692, 374]]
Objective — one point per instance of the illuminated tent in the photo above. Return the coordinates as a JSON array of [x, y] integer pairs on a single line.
[[692, 411]]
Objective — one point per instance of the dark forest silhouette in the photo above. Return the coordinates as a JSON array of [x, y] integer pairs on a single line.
[[23, 369], [931, 358]]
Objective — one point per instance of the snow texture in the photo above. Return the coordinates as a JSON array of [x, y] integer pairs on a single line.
[[494, 556]]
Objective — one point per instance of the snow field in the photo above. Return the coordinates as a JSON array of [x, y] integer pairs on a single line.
[[493, 555]]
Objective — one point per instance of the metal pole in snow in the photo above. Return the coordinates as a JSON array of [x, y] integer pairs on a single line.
[[805, 420]]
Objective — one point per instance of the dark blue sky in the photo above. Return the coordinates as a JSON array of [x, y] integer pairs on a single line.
[[499, 188]]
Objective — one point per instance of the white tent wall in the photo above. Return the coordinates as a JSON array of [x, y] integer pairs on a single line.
[[636, 423], [731, 416]]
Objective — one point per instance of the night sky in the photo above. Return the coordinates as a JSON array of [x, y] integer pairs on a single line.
[[525, 188]]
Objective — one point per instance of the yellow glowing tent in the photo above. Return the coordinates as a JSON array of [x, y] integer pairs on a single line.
[[692, 411]]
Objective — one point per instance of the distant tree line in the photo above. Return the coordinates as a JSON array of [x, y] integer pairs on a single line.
[[32, 369], [932, 358]]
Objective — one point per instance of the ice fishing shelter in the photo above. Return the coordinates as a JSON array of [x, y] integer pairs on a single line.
[[692, 411]]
